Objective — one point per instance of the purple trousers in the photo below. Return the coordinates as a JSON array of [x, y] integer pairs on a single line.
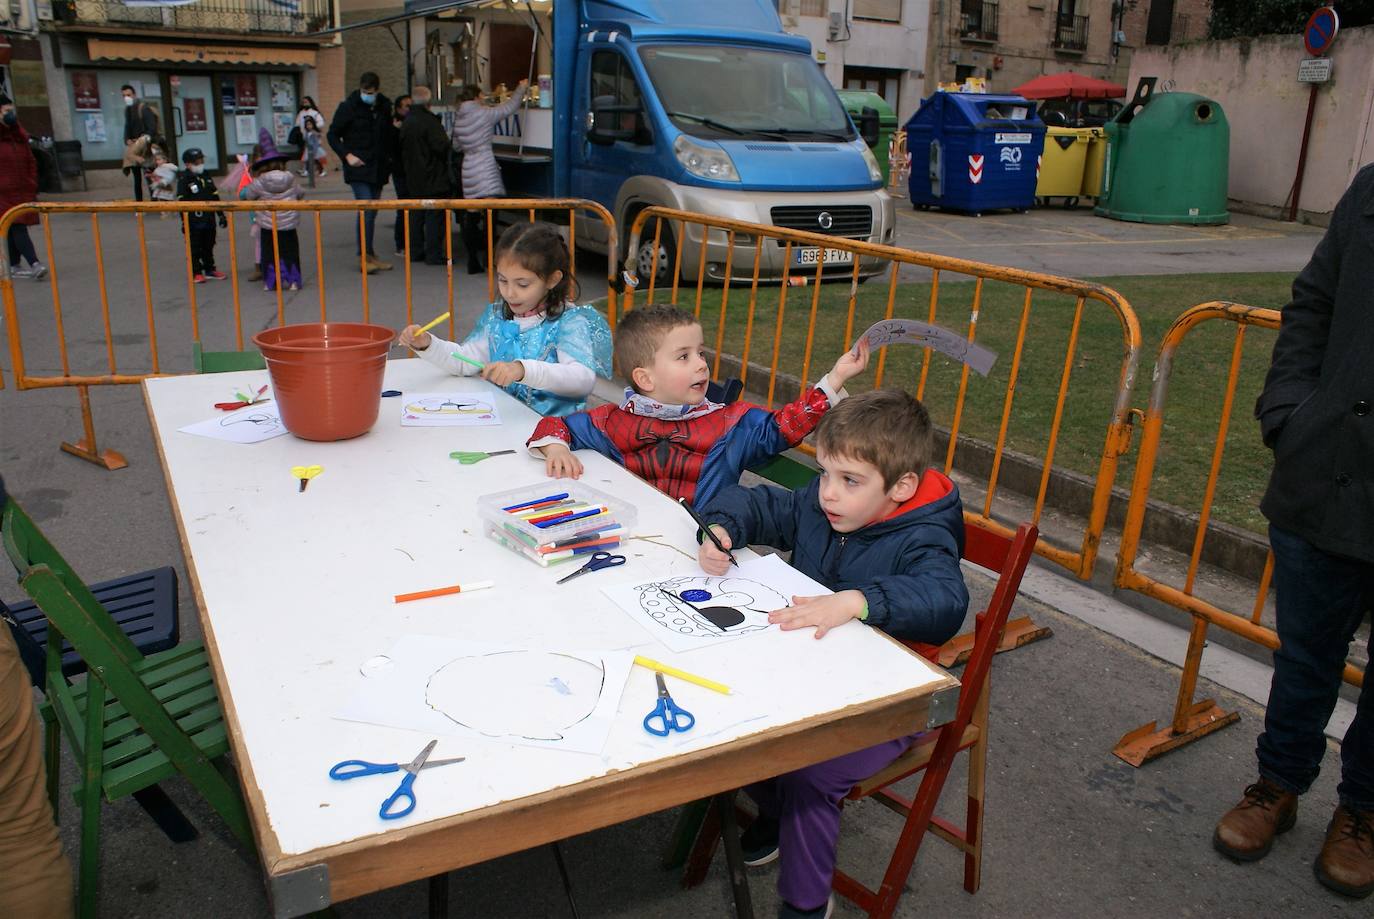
[[806, 803]]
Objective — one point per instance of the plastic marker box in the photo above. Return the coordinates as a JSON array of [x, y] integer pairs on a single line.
[[556, 521]]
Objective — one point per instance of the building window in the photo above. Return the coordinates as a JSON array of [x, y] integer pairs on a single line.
[[1159, 27], [886, 83], [978, 20], [813, 8], [1070, 29], [880, 10]]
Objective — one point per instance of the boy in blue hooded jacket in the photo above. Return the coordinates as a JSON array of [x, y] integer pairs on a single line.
[[885, 533]]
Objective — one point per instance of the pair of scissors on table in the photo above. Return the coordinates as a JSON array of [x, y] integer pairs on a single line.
[[598, 561], [666, 716], [357, 768]]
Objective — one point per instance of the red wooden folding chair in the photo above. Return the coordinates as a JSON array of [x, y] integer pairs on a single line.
[[935, 754]]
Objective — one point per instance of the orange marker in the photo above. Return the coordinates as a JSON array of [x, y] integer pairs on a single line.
[[444, 591]]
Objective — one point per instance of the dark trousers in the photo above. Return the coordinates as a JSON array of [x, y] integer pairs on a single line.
[[1322, 599], [21, 244], [427, 237], [475, 239], [402, 191], [202, 249], [288, 251], [366, 191], [137, 173]]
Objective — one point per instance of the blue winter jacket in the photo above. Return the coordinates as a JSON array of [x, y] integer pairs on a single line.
[[907, 565]]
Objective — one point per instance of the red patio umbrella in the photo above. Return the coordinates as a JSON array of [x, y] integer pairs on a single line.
[[1069, 86]]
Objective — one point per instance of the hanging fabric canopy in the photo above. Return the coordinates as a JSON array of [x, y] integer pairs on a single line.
[[1069, 86]]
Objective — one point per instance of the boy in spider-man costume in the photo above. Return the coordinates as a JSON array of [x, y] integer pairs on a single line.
[[666, 431]]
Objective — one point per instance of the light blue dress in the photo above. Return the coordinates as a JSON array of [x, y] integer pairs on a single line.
[[580, 333]]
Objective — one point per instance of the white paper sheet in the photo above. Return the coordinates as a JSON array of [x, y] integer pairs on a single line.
[[249, 425], [914, 332], [698, 610], [447, 409], [562, 699]]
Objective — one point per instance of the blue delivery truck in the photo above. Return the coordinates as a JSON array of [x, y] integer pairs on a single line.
[[705, 106]]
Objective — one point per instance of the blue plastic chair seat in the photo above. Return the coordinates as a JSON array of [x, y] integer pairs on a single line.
[[144, 605]]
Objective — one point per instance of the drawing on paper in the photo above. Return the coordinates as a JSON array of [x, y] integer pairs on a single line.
[[518, 694], [708, 607], [251, 424], [924, 334], [451, 409], [265, 423], [430, 406]]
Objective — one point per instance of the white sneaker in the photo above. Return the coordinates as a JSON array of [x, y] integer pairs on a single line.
[[38, 271], [20, 271]]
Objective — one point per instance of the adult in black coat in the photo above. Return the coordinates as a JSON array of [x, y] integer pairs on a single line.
[[360, 134], [399, 110], [1315, 412], [425, 149]]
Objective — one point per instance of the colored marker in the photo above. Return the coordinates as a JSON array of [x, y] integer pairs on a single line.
[[429, 325], [578, 547], [683, 675], [591, 513], [710, 534], [444, 591], [516, 507], [467, 360]]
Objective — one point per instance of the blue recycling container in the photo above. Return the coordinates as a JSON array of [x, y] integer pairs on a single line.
[[974, 152]]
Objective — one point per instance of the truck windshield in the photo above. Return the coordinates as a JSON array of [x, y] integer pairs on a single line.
[[724, 92]]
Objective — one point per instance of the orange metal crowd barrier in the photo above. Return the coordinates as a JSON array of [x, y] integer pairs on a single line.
[[734, 252], [131, 292], [1192, 719]]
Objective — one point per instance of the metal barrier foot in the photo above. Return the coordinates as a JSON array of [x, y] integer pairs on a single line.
[[1020, 631], [1146, 743]]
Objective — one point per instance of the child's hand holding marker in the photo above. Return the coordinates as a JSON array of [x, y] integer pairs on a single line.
[[502, 373], [716, 561], [413, 337]]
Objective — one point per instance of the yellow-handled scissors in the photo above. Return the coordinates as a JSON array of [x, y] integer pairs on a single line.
[[305, 474]]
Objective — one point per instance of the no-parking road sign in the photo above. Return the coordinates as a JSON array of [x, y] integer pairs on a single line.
[[1320, 33]]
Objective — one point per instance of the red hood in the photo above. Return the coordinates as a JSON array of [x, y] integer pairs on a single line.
[[932, 487]]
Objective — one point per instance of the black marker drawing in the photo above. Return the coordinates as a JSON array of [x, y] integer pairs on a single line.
[[533, 695]]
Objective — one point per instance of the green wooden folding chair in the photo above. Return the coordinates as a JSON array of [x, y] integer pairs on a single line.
[[134, 720], [225, 361]]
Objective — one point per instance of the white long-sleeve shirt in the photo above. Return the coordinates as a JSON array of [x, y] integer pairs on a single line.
[[565, 378]]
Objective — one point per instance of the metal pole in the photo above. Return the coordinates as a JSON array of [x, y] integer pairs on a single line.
[[1302, 152]]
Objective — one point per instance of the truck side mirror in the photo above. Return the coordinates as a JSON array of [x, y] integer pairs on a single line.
[[604, 127], [868, 125]]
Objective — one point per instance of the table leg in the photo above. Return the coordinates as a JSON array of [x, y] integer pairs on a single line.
[[734, 857], [567, 879], [438, 897]]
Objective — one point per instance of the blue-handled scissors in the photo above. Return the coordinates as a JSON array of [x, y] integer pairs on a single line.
[[666, 716], [356, 768], [598, 561]]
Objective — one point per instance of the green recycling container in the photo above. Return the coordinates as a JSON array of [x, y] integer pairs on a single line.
[[855, 101], [1167, 161]]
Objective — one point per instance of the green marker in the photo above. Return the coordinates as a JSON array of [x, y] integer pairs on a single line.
[[467, 360]]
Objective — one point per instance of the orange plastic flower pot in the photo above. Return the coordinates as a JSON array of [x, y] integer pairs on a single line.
[[327, 376]]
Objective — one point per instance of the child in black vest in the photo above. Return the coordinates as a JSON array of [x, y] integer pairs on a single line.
[[193, 185]]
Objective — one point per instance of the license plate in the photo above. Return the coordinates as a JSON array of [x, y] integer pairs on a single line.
[[812, 254]]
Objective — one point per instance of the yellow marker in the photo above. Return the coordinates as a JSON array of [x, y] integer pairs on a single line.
[[683, 675], [430, 325]]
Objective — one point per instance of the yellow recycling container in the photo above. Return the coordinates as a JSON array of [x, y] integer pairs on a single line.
[[1062, 164], [1096, 159]]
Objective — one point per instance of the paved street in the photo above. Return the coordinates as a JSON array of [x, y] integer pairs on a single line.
[[1071, 830]]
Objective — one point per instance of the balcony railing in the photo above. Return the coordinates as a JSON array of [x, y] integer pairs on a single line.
[[280, 17], [978, 20], [1071, 32]]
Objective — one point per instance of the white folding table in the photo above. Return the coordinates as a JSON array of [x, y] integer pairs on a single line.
[[294, 591]]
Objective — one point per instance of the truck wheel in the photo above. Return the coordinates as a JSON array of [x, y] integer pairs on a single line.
[[661, 268]]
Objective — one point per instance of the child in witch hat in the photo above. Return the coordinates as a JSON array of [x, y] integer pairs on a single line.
[[272, 181]]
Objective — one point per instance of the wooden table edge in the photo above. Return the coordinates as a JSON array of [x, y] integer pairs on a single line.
[[269, 850]]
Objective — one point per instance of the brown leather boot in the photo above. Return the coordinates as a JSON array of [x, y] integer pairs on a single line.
[[1246, 832], [1346, 861]]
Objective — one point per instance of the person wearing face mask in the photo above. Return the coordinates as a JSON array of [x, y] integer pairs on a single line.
[[398, 169], [140, 128], [361, 136], [195, 186], [425, 149], [18, 185]]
